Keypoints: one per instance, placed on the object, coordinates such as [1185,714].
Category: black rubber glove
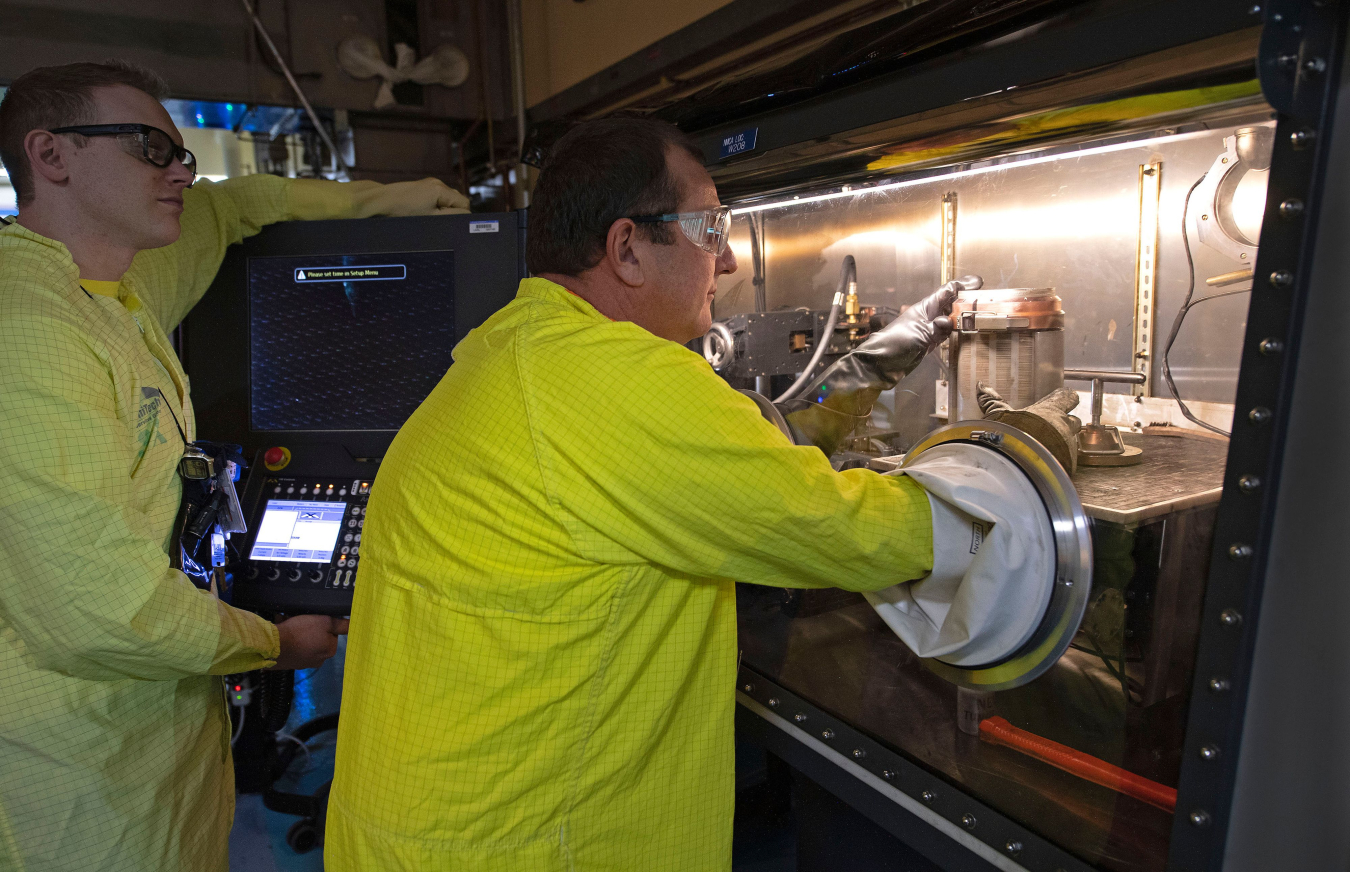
[835,402]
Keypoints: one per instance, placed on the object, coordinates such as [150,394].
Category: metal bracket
[948,262]
[1145,272]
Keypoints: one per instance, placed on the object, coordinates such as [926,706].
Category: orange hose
[999,732]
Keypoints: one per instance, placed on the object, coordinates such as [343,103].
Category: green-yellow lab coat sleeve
[215,216]
[85,581]
[652,457]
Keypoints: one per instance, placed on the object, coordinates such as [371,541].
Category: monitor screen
[348,341]
[298,531]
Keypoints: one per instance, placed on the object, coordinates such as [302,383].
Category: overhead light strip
[961,174]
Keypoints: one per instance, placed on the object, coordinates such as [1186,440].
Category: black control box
[778,343]
[305,514]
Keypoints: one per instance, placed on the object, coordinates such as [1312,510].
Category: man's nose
[179,174]
[726,262]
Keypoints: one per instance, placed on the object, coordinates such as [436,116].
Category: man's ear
[622,254]
[47,156]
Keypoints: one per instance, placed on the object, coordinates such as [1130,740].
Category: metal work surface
[1177,472]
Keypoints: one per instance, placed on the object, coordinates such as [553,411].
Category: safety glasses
[151,144]
[707,229]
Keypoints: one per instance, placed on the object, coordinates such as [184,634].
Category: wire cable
[1186,307]
[295,86]
[302,746]
[239,729]
[849,272]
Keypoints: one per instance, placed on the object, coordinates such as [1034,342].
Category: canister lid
[1008,309]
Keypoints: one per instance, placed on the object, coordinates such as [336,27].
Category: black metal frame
[1299,65]
[862,759]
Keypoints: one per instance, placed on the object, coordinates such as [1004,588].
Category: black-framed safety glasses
[151,144]
[707,229]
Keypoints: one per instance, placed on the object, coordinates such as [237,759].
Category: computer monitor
[333,332]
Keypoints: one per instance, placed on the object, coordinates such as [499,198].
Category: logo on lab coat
[147,421]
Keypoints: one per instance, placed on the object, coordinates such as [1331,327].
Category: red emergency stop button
[276,458]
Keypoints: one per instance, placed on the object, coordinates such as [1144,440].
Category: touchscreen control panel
[309,532]
[303,545]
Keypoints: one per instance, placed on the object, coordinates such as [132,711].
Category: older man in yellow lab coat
[543,645]
[114,737]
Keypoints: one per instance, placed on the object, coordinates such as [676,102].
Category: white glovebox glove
[993,560]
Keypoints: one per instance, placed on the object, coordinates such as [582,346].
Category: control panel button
[347,538]
[358,537]
[277,458]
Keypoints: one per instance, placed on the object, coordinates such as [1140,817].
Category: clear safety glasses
[151,144]
[707,229]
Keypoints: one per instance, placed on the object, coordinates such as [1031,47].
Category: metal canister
[1011,339]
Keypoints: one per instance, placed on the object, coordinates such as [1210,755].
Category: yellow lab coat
[540,672]
[114,735]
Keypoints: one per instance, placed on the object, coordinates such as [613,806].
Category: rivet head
[773,702]
[799,717]
[888,774]
[1249,484]
[1209,752]
[1230,618]
[1218,685]
[1301,139]
[928,796]
[1013,847]
[1281,278]
[1199,817]
[1259,415]
[968,821]
[1270,347]
[1239,551]
[827,733]
[859,753]
[748,688]
[1291,208]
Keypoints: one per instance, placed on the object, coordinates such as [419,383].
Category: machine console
[303,545]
